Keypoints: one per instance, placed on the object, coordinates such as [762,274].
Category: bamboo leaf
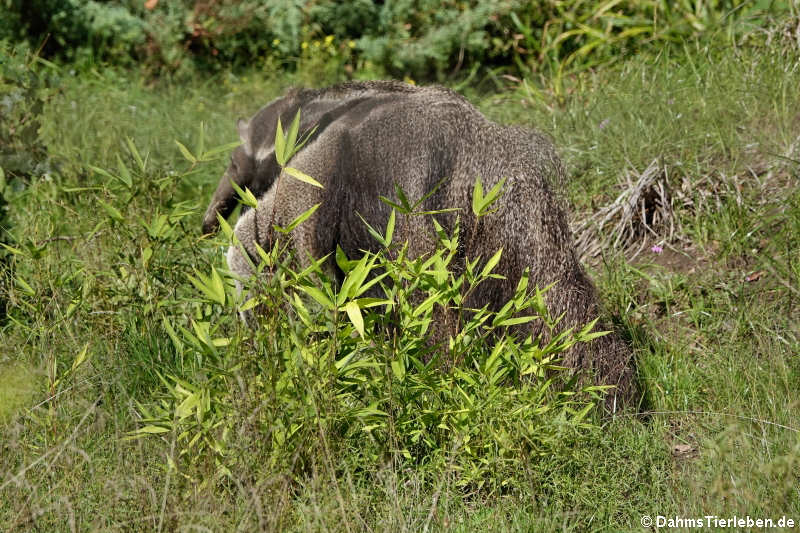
[187,406]
[366,286]
[223,224]
[151,430]
[372,231]
[302,176]
[392,204]
[517,321]
[23,285]
[427,304]
[80,358]
[390,228]
[580,415]
[354,312]
[477,197]
[364,303]
[136,155]
[493,194]
[249,304]
[341,260]
[398,369]
[112,211]
[403,199]
[430,193]
[305,139]
[317,295]
[212,287]
[124,173]
[291,138]
[299,220]
[492,263]
[186,153]
[210,155]
[280,144]
[218,286]
[245,196]
[104,172]
[15,251]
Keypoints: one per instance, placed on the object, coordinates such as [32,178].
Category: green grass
[17,388]
[717,355]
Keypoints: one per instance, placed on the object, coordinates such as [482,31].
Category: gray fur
[253,164]
[387,132]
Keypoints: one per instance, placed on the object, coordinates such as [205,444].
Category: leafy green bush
[357,363]
[417,38]
[26,84]
[558,38]
[75,28]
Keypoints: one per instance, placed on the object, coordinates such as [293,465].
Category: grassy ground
[713,318]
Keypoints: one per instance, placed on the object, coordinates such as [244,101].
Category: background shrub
[356,364]
[423,39]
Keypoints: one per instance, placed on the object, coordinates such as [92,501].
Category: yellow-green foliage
[422,39]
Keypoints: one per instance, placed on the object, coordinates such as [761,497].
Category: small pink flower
[656,249]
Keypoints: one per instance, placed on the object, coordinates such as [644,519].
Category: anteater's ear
[244,133]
